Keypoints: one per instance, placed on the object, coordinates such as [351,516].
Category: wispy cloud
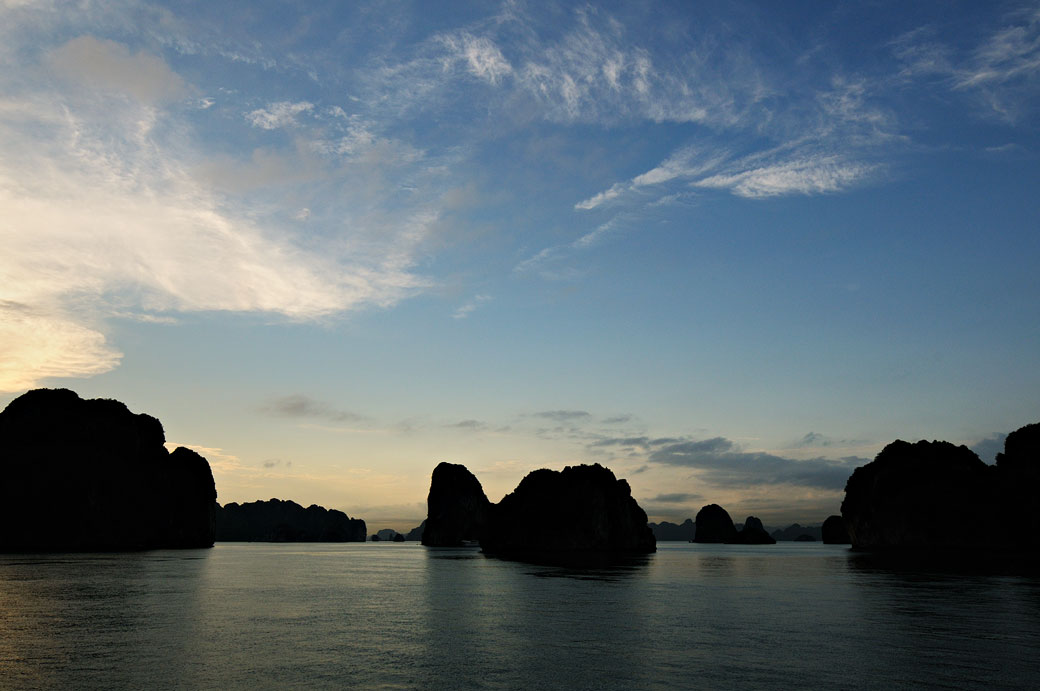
[303,406]
[466,309]
[568,416]
[275,115]
[1001,70]
[642,442]
[43,340]
[723,464]
[275,462]
[600,198]
[469,424]
[112,208]
[814,439]
[479,54]
[811,175]
[675,498]
[1011,53]
[588,68]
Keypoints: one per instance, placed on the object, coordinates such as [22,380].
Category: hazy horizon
[729,250]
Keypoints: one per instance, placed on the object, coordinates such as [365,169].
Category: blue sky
[729,250]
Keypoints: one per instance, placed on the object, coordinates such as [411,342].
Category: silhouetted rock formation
[907,496]
[753,533]
[457,507]
[714,525]
[416,532]
[667,532]
[793,532]
[580,510]
[389,535]
[286,521]
[86,475]
[1018,481]
[834,531]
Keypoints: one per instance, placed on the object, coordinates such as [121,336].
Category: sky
[729,250]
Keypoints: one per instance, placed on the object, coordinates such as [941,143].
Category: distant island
[387,535]
[277,520]
[687,532]
[89,475]
[581,511]
[910,495]
[674,532]
[713,525]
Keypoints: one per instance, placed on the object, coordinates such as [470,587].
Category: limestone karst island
[90,475]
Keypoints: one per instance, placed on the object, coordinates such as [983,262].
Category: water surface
[384,615]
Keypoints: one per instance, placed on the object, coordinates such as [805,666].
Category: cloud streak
[722,464]
[468,308]
[305,407]
[276,115]
[563,416]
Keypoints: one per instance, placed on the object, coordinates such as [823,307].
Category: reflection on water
[974,622]
[113,616]
[403,616]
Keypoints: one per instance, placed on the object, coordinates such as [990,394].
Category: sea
[403,616]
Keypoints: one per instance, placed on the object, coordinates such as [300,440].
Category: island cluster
[89,475]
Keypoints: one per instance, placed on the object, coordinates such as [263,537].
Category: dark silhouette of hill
[416,532]
[387,535]
[907,496]
[279,520]
[1018,481]
[457,507]
[793,532]
[714,525]
[89,475]
[582,508]
[834,531]
[753,533]
[671,532]
[582,513]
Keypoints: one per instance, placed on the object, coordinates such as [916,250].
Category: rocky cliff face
[581,509]
[1018,481]
[834,531]
[714,525]
[286,521]
[90,475]
[909,496]
[457,508]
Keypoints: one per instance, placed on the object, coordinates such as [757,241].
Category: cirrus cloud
[106,215]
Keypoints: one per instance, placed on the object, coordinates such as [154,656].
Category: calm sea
[385,615]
